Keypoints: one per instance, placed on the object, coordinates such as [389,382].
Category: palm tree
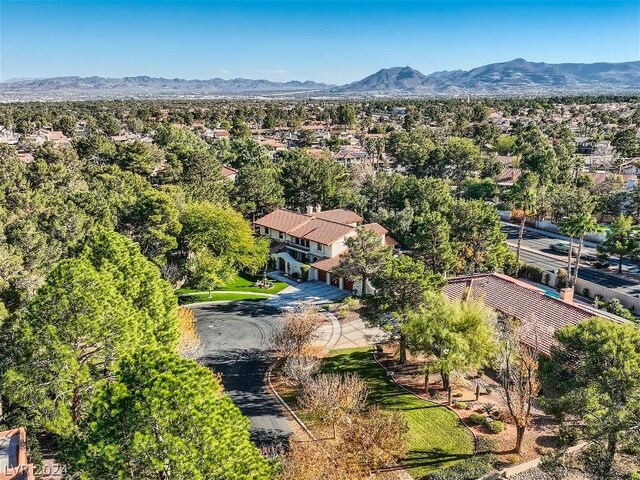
[584,224]
[568,227]
[525,202]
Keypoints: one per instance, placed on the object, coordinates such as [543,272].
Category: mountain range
[516,77]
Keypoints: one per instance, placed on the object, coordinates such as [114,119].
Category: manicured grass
[220,296]
[244,283]
[437,438]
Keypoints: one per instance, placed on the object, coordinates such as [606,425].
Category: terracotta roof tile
[283,220]
[376,227]
[339,215]
[327,265]
[541,314]
[322,231]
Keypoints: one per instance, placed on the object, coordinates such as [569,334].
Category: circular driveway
[235,343]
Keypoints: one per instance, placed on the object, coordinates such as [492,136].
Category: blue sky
[330,41]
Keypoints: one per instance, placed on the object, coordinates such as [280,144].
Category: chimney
[566,294]
[318,208]
[309,209]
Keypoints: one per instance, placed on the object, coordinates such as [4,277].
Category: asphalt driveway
[234,337]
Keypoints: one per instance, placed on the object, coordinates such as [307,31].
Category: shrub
[476,418]
[304,272]
[461,405]
[533,273]
[488,408]
[457,395]
[300,370]
[488,389]
[495,426]
[469,469]
[568,435]
[512,459]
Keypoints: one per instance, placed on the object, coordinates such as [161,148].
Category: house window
[266,231]
[281,235]
[320,247]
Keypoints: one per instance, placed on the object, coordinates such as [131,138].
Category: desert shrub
[469,469]
[495,426]
[300,370]
[488,408]
[461,405]
[476,418]
[568,435]
[457,395]
[331,397]
[188,340]
[349,304]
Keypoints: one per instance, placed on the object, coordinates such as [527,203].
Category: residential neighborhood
[318,240]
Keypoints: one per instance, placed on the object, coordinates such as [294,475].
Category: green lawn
[437,438]
[218,296]
[244,283]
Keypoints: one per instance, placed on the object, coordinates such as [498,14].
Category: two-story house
[309,245]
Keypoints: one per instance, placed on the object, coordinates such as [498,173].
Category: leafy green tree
[257,190]
[366,254]
[537,154]
[479,243]
[138,157]
[478,189]
[400,286]
[462,158]
[164,417]
[88,327]
[218,243]
[596,371]
[308,180]
[239,129]
[460,334]
[137,280]
[506,144]
[626,142]
[621,240]
[431,242]
[153,223]
[346,115]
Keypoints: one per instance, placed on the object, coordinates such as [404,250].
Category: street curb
[286,406]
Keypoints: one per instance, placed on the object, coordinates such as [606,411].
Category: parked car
[563,247]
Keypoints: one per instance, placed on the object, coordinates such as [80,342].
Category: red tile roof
[283,220]
[328,264]
[339,215]
[228,171]
[322,231]
[541,314]
[376,227]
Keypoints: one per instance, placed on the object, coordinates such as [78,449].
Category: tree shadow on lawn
[435,457]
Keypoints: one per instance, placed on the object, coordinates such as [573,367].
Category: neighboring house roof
[282,220]
[321,231]
[376,227]
[390,242]
[340,215]
[228,171]
[509,175]
[541,314]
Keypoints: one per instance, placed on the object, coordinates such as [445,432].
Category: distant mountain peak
[514,77]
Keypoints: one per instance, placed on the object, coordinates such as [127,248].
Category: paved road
[551,260]
[235,337]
